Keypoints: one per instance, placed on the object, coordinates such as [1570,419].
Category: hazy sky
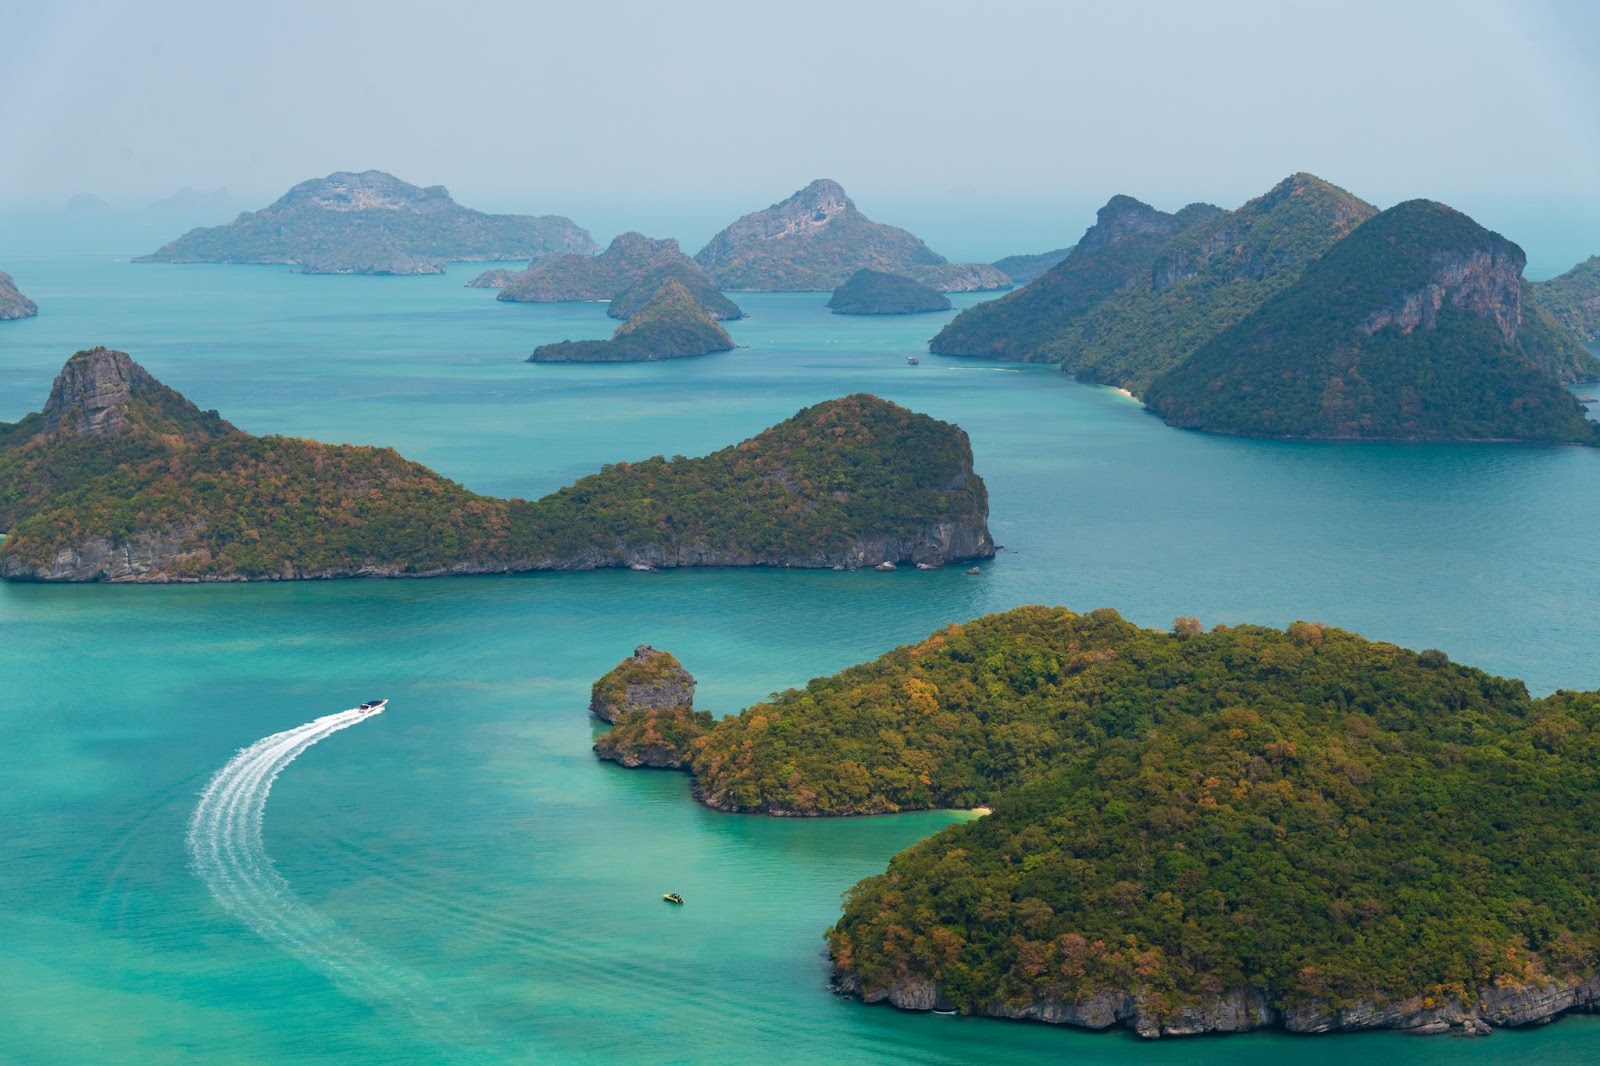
[986,128]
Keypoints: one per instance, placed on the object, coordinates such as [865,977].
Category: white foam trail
[225,846]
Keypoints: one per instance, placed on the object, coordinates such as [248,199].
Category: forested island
[1573,299]
[873,292]
[372,223]
[814,241]
[1224,321]
[13,304]
[120,478]
[628,273]
[671,325]
[1191,831]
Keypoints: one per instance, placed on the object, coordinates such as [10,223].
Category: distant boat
[913,360]
[373,706]
[673,898]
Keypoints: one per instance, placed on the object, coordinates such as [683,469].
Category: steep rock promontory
[1207,278]
[372,223]
[1191,831]
[13,304]
[122,479]
[648,680]
[815,239]
[873,292]
[1022,269]
[1028,325]
[1573,299]
[1408,329]
[673,324]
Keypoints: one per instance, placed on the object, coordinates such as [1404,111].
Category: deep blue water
[460,879]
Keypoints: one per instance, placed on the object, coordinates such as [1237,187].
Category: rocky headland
[873,292]
[1190,831]
[372,223]
[814,241]
[13,304]
[122,479]
[671,325]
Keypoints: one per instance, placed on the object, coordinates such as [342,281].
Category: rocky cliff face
[1485,284]
[1245,1009]
[815,239]
[104,392]
[649,680]
[13,304]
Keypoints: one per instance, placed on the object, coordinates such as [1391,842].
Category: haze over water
[479,887]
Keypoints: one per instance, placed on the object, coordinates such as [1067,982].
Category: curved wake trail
[225,846]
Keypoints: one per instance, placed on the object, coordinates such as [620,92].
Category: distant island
[1022,269]
[1191,831]
[672,324]
[1573,299]
[13,304]
[372,223]
[87,203]
[1159,305]
[873,292]
[814,241]
[1411,328]
[629,273]
[190,199]
[120,478]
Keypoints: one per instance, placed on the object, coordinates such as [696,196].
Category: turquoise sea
[458,879]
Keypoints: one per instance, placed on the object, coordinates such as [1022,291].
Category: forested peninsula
[1192,831]
[120,478]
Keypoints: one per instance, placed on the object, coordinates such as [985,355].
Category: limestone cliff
[13,304]
[648,680]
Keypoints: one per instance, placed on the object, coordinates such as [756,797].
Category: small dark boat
[674,899]
[913,360]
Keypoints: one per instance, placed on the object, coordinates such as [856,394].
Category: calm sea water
[458,879]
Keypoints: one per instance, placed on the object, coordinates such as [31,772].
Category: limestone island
[814,241]
[650,682]
[121,479]
[13,304]
[628,273]
[1191,831]
[1573,299]
[673,324]
[372,223]
[873,292]
[1303,313]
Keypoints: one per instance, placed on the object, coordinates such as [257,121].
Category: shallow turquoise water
[501,885]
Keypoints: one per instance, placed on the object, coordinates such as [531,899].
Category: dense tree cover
[1573,299]
[875,292]
[372,223]
[1206,279]
[1550,345]
[647,679]
[629,301]
[226,504]
[1030,324]
[1304,812]
[671,325]
[659,738]
[1331,357]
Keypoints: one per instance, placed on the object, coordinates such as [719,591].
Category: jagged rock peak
[1123,217]
[93,391]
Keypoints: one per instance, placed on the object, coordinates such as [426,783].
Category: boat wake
[225,847]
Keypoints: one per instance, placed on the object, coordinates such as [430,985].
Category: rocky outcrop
[873,292]
[373,223]
[672,325]
[1484,283]
[13,304]
[649,680]
[815,239]
[102,392]
[1246,1009]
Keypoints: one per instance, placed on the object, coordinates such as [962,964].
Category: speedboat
[912,360]
[673,898]
[373,706]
